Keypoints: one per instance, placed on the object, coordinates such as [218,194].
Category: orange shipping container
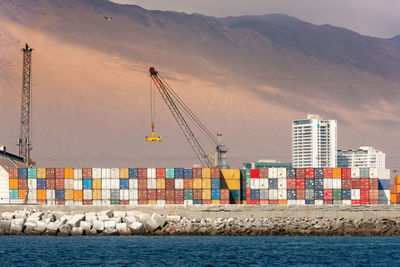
[41,173]
[397,181]
[41,194]
[13,183]
[69,173]
[197,183]
[393,198]
[336,173]
[124,173]
[188,184]
[398,188]
[151,202]
[77,195]
[96,184]
[21,193]
[160,183]
[282,202]
[206,183]
[69,194]
[96,194]
[393,189]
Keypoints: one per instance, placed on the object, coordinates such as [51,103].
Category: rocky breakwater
[37,222]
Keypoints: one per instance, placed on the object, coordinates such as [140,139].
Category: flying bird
[108,18]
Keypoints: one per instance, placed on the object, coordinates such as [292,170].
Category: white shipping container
[272,173]
[133,184]
[373,173]
[254,183]
[292,202]
[124,194]
[336,183]
[87,194]
[50,194]
[152,183]
[106,173]
[300,202]
[186,202]
[96,172]
[328,183]
[106,184]
[32,184]
[78,174]
[114,183]
[282,194]
[355,172]
[97,203]
[115,173]
[32,195]
[68,184]
[133,194]
[69,202]
[78,203]
[282,183]
[160,202]
[16,201]
[179,183]
[346,202]
[151,173]
[263,183]
[133,202]
[355,194]
[105,194]
[77,184]
[282,173]
[318,202]
[273,194]
[51,202]
[105,202]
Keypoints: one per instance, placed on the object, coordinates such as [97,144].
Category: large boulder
[137,228]
[16,226]
[109,224]
[120,214]
[86,226]
[107,213]
[40,227]
[76,220]
[173,218]
[154,222]
[5,226]
[7,216]
[77,231]
[30,228]
[98,225]
[65,229]
[90,216]
[35,217]
[123,229]
[140,216]
[52,228]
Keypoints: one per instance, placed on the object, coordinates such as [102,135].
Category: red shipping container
[373,184]
[13,173]
[374,201]
[142,201]
[364,183]
[87,173]
[254,173]
[160,194]
[328,173]
[188,183]
[309,172]
[160,173]
[300,194]
[291,183]
[327,194]
[142,173]
[346,183]
[181,201]
[393,189]
[355,183]
[151,194]
[50,183]
[273,202]
[355,202]
[364,202]
[301,173]
[198,194]
[179,195]
[263,173]
[60,173]
[364,194]
[50,173]
[87,202]
[264,201]
[373,194]
[124,202]
[346,173]
[197,173]
[328,201]
[300,183]
[170,184]
[142,195]
[170,194]
[224,194]
[60,202]
[142,184]
[224,201]
[22,184]
[215,173]
[59,183]
[41,201]
[206,201]
[254,202]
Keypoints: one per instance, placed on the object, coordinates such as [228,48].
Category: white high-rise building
[365,156]
[314,142]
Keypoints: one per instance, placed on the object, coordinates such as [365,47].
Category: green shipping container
[114,202]
[14,194]
[234,194]
[337,194]
[170,173]
[32,173]
[188,194]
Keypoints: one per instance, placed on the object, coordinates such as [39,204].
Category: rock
[120,214]
[20,214]
[140,216]
[107,213]
[116,219]
[173,218]
[109,224]
[92,232]
[52,228]
[86,226]
[129,220]
[137,228]
[154,222]
[49,218]
[64,219]
[58,215]
[110,231]
[29,228]
[16,226]
[77,231]
[34,217]
[90,216]
[123,229]
[40,227]
[98,225]
[76,220]
[103,217]
[65,230]
[7,216]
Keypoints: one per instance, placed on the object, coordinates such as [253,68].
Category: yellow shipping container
[124,173]
[151,202]
[96,194]
[41,173]
[336,173]
[230,184]
[13,183]
[78,195]
[215,201]
[21,193]
[231,174]
[96,184]
[68,173]
[41,194]
[69,194]
[197,184]
[206,183]
[206,194]
[160,183]
[206,173]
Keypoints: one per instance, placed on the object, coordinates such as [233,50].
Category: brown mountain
[247,77]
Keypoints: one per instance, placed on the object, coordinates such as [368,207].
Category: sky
[379,18]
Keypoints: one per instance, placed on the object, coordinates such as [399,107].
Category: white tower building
[365,156]
[314,142]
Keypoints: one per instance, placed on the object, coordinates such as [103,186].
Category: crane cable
[152,103]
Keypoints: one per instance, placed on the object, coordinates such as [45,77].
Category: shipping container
[60,194]
[328,194]
[318,183]
[114,173]
[40,173]
[309,173]
[254,183]
[197,173]
[206,194]
[291,173]
[300,183]
[151,183]
[328,173]
[291,194]
[364,172]
[50,183]
[234,195]
[319,194]
[383,184]
[160,173]
[133,173]
[124,173]
[23,184]
[96,194]
[336,173]
[215,183]
[374,184]
[346,173]
[114,194]
[309,183]
[215,173]
[300,173]
[134,184]
[78,174]
[346,183]
[346,194]
[160,183]
[355,172]
[188,173]
[32,173]
[301,194]
[188,183]
[230,174]
[142,184]
[86,173]
[318,173]
[32,184]
[206,173]
[69,194]
[337,194]
[86,183]
[263,173]
[263,183]
[291,183]
[273,173]
[273,183]
[310,194]
[254,173]
[178,173]
[215,194]
[22,173]
[179,184]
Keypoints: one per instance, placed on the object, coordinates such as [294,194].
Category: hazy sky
[379,18]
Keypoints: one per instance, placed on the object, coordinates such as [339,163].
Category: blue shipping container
[290,173]
[346,194]
[87,184]
[215,183]
[23,173]
[197,201]
[319,183]
[133,173]
[41,184]
[123,183]
[188,173]
[178,173]
[273,183]
[384,184]
[243,195]
[319,194]
[60,195]
[215,194]
[114,194]
[310,202]
[309,183]
[255,194]
[291,194]
[318,173]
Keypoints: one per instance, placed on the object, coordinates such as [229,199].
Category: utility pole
[24,141]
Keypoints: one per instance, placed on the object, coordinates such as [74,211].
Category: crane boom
[168,95]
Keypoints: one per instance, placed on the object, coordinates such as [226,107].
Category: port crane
[179,110]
